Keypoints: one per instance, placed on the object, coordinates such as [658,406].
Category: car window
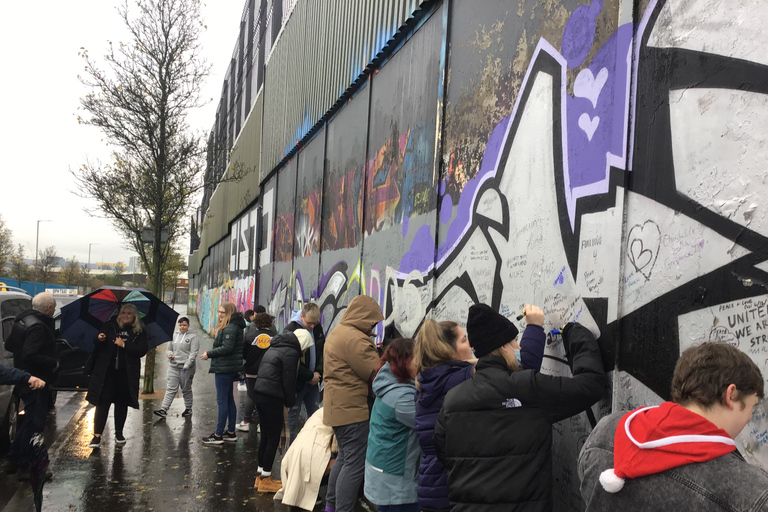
[12,307]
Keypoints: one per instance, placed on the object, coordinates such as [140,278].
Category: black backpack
[15,341]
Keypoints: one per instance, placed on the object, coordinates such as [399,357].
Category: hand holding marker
[553,332]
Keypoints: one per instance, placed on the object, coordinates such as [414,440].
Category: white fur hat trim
[610,482]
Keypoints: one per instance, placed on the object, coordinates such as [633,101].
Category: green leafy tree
[72,273]
[19,270]
[6,244]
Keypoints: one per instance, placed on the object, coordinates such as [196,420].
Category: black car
[71,363]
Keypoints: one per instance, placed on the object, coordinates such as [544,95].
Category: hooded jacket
[494,432]
[693,476]
[392,457]
[351,359]
[184,348]
[434,384]
[227,352]
[306,370]
[255,344]
[277,371]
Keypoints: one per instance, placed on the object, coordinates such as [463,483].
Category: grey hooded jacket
[725,483]
[184,348]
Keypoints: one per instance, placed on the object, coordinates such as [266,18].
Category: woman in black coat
[119,348]
[276,389]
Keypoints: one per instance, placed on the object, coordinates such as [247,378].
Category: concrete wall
[603,160]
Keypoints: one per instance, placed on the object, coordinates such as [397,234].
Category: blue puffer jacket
[434,384]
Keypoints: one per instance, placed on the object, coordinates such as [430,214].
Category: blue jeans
[225,398]
[405,507]
[309,396]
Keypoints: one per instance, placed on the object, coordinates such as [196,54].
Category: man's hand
[204,357]
[36,383]
[102,336]
[315,379]
[533,315]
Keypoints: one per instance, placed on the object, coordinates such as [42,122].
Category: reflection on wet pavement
[163,466]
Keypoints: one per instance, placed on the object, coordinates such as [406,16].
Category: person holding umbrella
[116,360]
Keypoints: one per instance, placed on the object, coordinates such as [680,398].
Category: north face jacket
[494,432]
[351,359]
[306,373]
[726,483]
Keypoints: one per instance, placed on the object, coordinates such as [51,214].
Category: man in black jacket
[310,367]
[37,356]
[494,432]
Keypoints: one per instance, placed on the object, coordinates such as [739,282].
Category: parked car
[71,363]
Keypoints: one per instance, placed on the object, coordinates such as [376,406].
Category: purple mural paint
[579,33]
[406,222]
[446,209]
[597,113]
[466,202]
[422,253]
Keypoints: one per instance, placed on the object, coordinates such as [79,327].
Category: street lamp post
[88,268]
[37,240]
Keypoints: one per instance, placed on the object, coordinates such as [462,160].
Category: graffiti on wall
[590,195]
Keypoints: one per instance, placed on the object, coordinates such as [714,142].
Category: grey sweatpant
[348,470]
[176,380]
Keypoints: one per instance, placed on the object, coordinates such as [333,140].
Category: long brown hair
[229,310]
[435,344]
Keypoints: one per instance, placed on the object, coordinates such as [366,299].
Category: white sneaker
[243,426]
[258,428]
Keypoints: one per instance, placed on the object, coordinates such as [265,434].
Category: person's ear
[731,396]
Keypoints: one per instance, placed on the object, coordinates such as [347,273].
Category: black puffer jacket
[305,374]
[277,371]
[494,431]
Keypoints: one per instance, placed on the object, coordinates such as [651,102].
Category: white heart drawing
[589,87]
[588,125]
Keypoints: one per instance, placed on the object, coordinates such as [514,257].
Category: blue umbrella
[84,318]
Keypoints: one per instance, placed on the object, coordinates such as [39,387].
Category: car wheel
[10,425]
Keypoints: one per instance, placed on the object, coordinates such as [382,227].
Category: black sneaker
[95,442]
[187,413]
[213,439]
[161,413]
[119,439]
[230,436]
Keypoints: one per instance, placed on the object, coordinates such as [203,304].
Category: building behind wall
[600,159]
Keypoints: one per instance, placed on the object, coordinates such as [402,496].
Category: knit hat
[650,440]
[259,309]
[487,330]
[305,339]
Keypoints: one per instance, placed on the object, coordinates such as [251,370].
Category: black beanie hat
[487,330]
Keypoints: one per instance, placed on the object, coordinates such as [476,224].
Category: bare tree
[140,102]
[19,270]
[6,244]
[46,260]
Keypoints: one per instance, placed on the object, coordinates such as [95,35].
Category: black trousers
[100,417]
[270,411]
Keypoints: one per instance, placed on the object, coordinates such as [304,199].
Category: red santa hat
[653,439]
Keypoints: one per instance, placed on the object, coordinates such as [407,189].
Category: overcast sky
[40,139]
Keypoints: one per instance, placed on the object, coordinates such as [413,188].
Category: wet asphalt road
[163,466]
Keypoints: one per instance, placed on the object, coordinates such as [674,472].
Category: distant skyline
[41,139]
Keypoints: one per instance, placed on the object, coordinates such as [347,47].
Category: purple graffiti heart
[589,125]
[643,242]
[590,86]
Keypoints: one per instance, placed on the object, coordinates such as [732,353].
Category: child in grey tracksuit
[182,352]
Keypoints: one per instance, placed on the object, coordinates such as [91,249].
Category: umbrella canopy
[84,318]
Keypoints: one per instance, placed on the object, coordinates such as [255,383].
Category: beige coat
[350,360]
[305,462]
